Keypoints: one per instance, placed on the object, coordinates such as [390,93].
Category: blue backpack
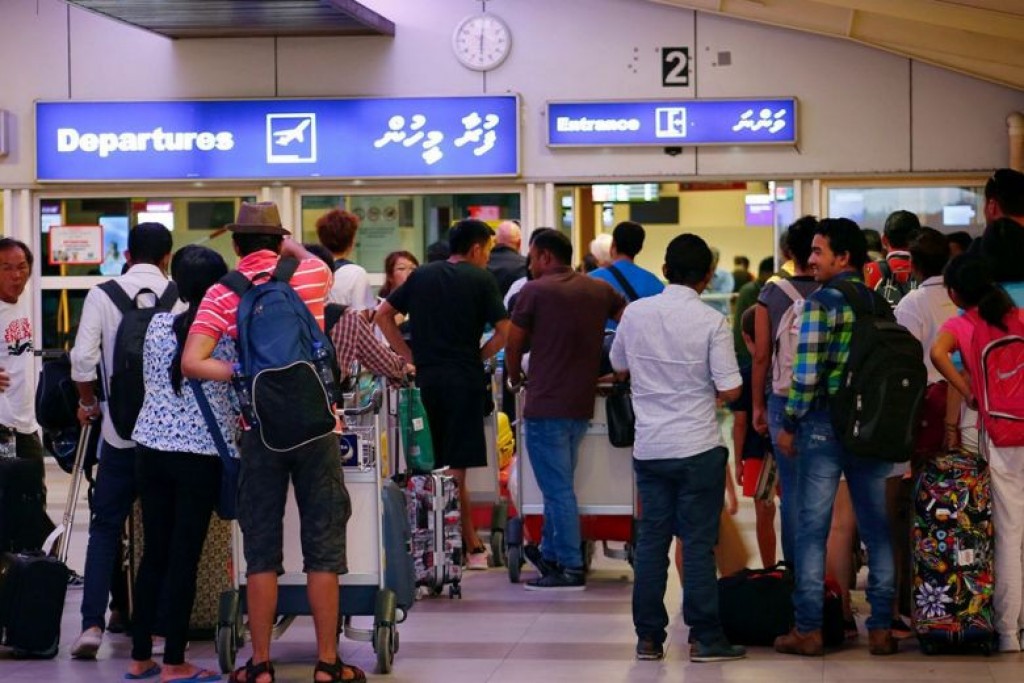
[277,335]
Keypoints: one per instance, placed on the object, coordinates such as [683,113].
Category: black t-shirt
[448,305]
[754,445]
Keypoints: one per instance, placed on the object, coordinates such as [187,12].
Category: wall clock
[482,41]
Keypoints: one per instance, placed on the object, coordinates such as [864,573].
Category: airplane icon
[291,138]
[296,134]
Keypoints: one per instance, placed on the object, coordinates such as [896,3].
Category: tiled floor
[499,633]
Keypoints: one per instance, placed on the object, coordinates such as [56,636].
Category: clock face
[481,41]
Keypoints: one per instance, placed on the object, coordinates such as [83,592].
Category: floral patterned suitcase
[432,503]
[953,553]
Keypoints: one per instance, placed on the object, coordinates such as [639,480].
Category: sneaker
[881,642]
[565,580]
[900,629]
[88,643]
[648,650]
[75,580]
[479,559]
[536,558]
[796,643]
[720,651]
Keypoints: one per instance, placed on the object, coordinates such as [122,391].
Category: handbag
[227,503]
[618,408]
[767,478]
[415,430]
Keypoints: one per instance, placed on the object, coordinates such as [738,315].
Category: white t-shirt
[17,407]
[351,288]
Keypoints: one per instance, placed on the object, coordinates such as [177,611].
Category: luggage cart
[605,494]
[366,590]
[484,482]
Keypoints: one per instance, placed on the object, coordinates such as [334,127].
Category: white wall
[861,110]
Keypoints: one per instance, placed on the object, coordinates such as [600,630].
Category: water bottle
[325,370]
[241,385]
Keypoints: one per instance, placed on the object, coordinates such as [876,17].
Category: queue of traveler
[780,368]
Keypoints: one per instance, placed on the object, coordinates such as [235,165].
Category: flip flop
[201,676]
[151,672]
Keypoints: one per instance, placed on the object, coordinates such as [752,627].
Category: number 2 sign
[675,67]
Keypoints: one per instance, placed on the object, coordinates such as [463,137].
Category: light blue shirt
[643,281]
[679,354]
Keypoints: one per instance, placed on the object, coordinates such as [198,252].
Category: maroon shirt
[564,312]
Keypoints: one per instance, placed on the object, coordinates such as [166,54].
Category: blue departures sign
[666,123]
[280,138]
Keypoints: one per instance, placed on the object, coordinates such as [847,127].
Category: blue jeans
[822,459]
[112,502]
[679,497]
[787,479]
[553,445]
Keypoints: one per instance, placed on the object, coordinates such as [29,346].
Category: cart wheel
[227,648]
[455,591]
[514,532]
[928,647]
[514,562]
[498,554]
[384,645]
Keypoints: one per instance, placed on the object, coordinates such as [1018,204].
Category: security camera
[673,151]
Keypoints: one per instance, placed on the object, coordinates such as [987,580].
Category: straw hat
[260,218]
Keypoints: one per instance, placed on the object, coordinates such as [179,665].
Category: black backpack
[875,410]
[894,285]
[56,395]
[126,389]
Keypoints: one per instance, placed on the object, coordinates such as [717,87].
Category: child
[988,308]
[749,449]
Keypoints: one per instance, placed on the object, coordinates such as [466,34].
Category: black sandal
[250,673]
[337,672]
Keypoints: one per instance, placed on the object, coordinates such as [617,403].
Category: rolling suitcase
[33,586]
[432,506]
[953,554]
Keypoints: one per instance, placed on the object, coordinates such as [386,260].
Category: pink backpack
[997,377]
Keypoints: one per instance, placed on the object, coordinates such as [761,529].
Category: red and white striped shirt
[218,312]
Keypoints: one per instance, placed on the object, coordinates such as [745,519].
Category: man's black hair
[687,260]
[149,243]
[961,238]
[438,251]
[739,261]
[1006,187]
[845,237]
[929,252]
[537,233]
[249,243]
[555,243]
[766,267]
[1002,245]
[874,239]
[11,243]
[466,233]
[628,238]
[900,228]
[799,237]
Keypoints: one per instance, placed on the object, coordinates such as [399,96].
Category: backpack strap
[341,263]
[285,269]
[118,296]
[884,269]
[211,420]
[789,290]
[169,297]
[624,283]
[236,282]
[857,302]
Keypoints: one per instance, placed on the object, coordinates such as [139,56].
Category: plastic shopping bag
[415,430]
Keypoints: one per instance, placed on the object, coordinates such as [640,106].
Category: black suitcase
[399,574]
[23,520]
[32,591]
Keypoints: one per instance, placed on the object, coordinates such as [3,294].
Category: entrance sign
[76,245]
[278,139]
[668,123]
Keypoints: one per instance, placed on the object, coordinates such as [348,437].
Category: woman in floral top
[179,472]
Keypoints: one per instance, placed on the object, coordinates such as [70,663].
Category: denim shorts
[324,505]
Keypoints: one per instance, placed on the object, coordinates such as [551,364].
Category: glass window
[405,221]
[947,209]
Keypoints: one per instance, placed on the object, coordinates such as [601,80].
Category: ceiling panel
[981,38]
[244,18]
